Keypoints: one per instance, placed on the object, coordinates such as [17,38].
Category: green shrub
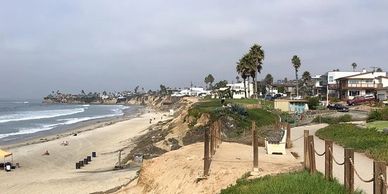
[367,140]
[313,103]
[333,120]
[378,115]
[287,183]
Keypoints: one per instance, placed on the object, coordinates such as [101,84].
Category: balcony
[359,85]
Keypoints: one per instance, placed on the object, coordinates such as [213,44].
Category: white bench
[276,144]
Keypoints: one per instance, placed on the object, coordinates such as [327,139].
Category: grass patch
[378,125]
[295,182]
[367,140]
[236,116]
[333,120]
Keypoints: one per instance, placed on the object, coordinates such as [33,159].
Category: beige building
[295,106]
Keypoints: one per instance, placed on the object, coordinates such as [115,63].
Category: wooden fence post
[288,140]
[311,153]
[212,151]
[306,152]
[328,160]
[349,170]
[206,154]
[379,169]
[255,148]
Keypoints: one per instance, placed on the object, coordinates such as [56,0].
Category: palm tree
[354,66]
[256,57]
[296,63]
[242,68]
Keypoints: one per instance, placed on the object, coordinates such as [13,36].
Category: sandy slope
[177,171]
[56,173]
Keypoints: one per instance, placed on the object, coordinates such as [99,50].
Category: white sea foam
[24,131]
[34,115]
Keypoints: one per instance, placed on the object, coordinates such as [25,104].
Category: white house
[361,84]
[192,92]
[238,89]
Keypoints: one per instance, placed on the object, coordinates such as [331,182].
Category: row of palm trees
[249,65]
[252,62]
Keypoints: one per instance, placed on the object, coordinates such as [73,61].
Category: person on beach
[46,153]
[150,121]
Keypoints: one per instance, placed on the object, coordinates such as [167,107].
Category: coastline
[38,173]
[72,129]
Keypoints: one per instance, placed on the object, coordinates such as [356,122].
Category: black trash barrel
[77,166]
[81,163]
[94,154]
[89,158]
[85,161]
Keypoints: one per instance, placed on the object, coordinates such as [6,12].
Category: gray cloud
[114,45]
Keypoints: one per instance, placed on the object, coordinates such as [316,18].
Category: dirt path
[177,171]
[363,164]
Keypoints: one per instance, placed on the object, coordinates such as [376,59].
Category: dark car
[338,107]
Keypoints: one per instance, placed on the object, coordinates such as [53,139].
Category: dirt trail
[177,171]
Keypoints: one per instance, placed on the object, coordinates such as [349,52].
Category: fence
[379,168]
[212,142]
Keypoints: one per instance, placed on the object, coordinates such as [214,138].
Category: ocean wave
[70,121]
[24,131]
[34,115]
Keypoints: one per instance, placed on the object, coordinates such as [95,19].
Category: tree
[379,70]
[221,84]
[268,80]
[136,89]
[256,57]
[296,63]
[163,89]
[354,66]
[242,68]
[306,77]
[209,79]
[306,81]
[237,79]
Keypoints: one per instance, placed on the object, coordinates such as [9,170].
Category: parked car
[338,107]
[268,97]
[360,99]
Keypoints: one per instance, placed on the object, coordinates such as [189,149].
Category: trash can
[89,158]
[81,163]
[85,161]
[94,154]
[77,165]
[8,167]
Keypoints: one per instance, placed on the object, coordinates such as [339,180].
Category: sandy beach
[56,173]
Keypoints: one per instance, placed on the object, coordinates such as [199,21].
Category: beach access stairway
[276,142]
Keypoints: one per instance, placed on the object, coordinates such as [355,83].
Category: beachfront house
[194,91]
[238,91]
[361,84]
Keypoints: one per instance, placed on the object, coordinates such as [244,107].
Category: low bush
[378,115]
[333,120]
[295,182]
[367,140]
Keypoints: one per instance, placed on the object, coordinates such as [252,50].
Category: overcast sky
[97,45]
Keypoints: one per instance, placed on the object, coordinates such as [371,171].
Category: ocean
[20,120]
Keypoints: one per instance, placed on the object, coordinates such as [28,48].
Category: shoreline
[56,172]
[72,129]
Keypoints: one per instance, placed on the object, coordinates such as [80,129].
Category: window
[331,79]
[354,93]
[353,82]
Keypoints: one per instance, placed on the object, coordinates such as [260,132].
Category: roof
[350,76]
[4,154]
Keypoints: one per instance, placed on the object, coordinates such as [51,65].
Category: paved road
[363,164]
